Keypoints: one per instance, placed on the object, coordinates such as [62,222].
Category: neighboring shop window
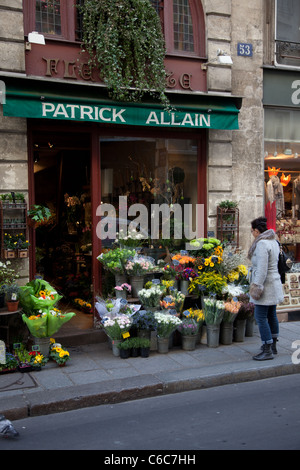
[282,170]
[288,32]
[48,19]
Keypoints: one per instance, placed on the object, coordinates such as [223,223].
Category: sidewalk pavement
[93,376]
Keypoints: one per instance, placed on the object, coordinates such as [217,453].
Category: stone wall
[13,131]
[235,158]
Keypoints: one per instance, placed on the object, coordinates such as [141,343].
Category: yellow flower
[52,340]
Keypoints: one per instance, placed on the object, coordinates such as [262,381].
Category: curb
[120,390]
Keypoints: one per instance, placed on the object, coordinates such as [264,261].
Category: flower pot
[24,368]
[121,294]
[213,334]
[9,254]
[249,326]
[226,333]
[239,330]
[145,352]
[188,342]
[184,285]
[137,284]
[135,352]
[124,353]
[22,253]
[162,345]
[115,349]
[12,306]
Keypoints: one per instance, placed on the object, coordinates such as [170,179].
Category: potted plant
[23,358]
[37,360]
[144,346]
[125,347]
[38,213]
[12,293]
[59,355]
[10,365]
[9,246]
[22,245]
[166,324]
[7,276]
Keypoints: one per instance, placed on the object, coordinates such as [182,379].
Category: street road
[255,415]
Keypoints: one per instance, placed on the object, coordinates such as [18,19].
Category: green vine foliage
[125,42]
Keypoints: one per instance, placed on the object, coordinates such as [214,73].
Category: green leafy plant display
[125,42]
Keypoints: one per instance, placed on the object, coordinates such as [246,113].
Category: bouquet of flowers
[114,260]
[231,309]
[233,290]
[143,320]
[138,266]
[188,327]
[38,294]
[124,286]
[46,322]
[195,314]
[150,297]
[169,271]
[117,327]
[183,259]
[213,311]
[247,308]
[166,324]
[188,274]
[209,283]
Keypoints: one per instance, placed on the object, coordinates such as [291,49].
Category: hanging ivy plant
[125,42]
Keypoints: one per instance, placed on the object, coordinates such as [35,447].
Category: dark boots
[265,354]
[274,350]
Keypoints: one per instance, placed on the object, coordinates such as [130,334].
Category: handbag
[283,267]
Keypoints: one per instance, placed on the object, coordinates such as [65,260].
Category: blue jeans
[267,321]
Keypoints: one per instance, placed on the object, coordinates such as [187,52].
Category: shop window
[150,172]
[288,32]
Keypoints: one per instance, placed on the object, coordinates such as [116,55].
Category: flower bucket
[120,279]
[137,284]
[239,330]
[115,349]
[162,345]
[226,333]
[184,287]
[213,334]
[188,342]
[249,327]
[43,344]
[121,294]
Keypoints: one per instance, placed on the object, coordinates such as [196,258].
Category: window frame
[68,20]
[277,43]
[198,30]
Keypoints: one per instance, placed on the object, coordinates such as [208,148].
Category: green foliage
[39,213]
[125,42]
[228,204]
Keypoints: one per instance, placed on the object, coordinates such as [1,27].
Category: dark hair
[260,224]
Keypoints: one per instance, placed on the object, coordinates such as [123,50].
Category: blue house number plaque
[245,49]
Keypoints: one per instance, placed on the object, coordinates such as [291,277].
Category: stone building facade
[234,157]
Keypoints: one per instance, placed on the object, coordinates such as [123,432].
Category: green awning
[44,100]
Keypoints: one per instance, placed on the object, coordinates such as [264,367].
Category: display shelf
[228,225]
[13,216]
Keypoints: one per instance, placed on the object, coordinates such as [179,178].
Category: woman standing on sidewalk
[265,287]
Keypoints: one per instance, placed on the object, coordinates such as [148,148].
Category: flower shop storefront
[103,156]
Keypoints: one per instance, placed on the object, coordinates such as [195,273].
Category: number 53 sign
[245,49]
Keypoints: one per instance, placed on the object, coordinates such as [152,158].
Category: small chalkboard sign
[2,353]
